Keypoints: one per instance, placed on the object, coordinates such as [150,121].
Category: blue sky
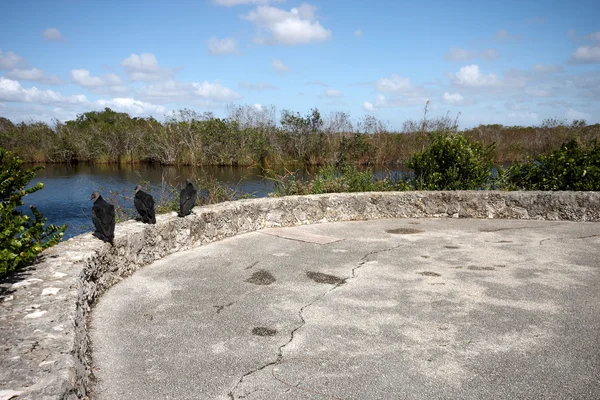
[506,62]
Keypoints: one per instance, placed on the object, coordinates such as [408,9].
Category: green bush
[452,162]
[572,167]
[21,237]
[330,179]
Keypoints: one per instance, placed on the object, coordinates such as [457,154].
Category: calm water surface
[67,188]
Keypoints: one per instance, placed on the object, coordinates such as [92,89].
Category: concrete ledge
[45,349]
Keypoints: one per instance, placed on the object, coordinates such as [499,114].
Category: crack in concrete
[279,358]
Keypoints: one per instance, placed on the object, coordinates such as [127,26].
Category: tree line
[250,135]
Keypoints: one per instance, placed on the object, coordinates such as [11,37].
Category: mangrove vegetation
[258,136]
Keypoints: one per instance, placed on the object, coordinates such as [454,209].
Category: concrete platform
[387,309]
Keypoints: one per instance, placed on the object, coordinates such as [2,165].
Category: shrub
[330,179]
[22,237]
[452,162]
[572,167]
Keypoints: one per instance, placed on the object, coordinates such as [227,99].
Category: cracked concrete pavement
[401,308]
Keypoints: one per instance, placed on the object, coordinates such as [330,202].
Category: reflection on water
[67,188]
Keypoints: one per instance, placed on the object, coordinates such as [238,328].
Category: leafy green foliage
[572,167]
[330,179]
[452,162]
[22,238]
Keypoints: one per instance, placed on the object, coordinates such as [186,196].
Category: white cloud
[52,34]
[488,54]
[214,91]
[10,60]
[594,36]
[333,93]
[511,105]
[109,83]
[279,66]
[11,90]
[453,98]
[33,74]
[145,68]
[359,33]
[256,86]
[297,26]
[368,106]
[316,83]
[471,76]
[586,55]
[222,46]
[40,100]
[523,117]
[547,68]
[230,3]
[395,84]
[131,106]
[574,114]
[459,54]
[404,94]
[176,92]
[503,34]
[538,92]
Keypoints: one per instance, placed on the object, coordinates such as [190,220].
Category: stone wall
[44,311]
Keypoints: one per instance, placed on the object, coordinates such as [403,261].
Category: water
[67,188]
[65,198]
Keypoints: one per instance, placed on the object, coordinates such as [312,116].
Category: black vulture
[103,215]
[144,204]
[187,199]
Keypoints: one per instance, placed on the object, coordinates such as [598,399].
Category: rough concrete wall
[44,311]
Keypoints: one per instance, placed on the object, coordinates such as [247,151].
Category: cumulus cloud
[453,98]
[145,68]
[368,106]
[586,55]
[214,91]
[10,60]
[131,106]
[52,35]
[109,83]
[573,114]
[297,26]
[33,74]
[39,100]
[174,92]
[394,84]
[459,54]
[403,93]
[333,93]
[230,3]
[279,66]
[256,86]
[222,46]
[470,76]
[11,90]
